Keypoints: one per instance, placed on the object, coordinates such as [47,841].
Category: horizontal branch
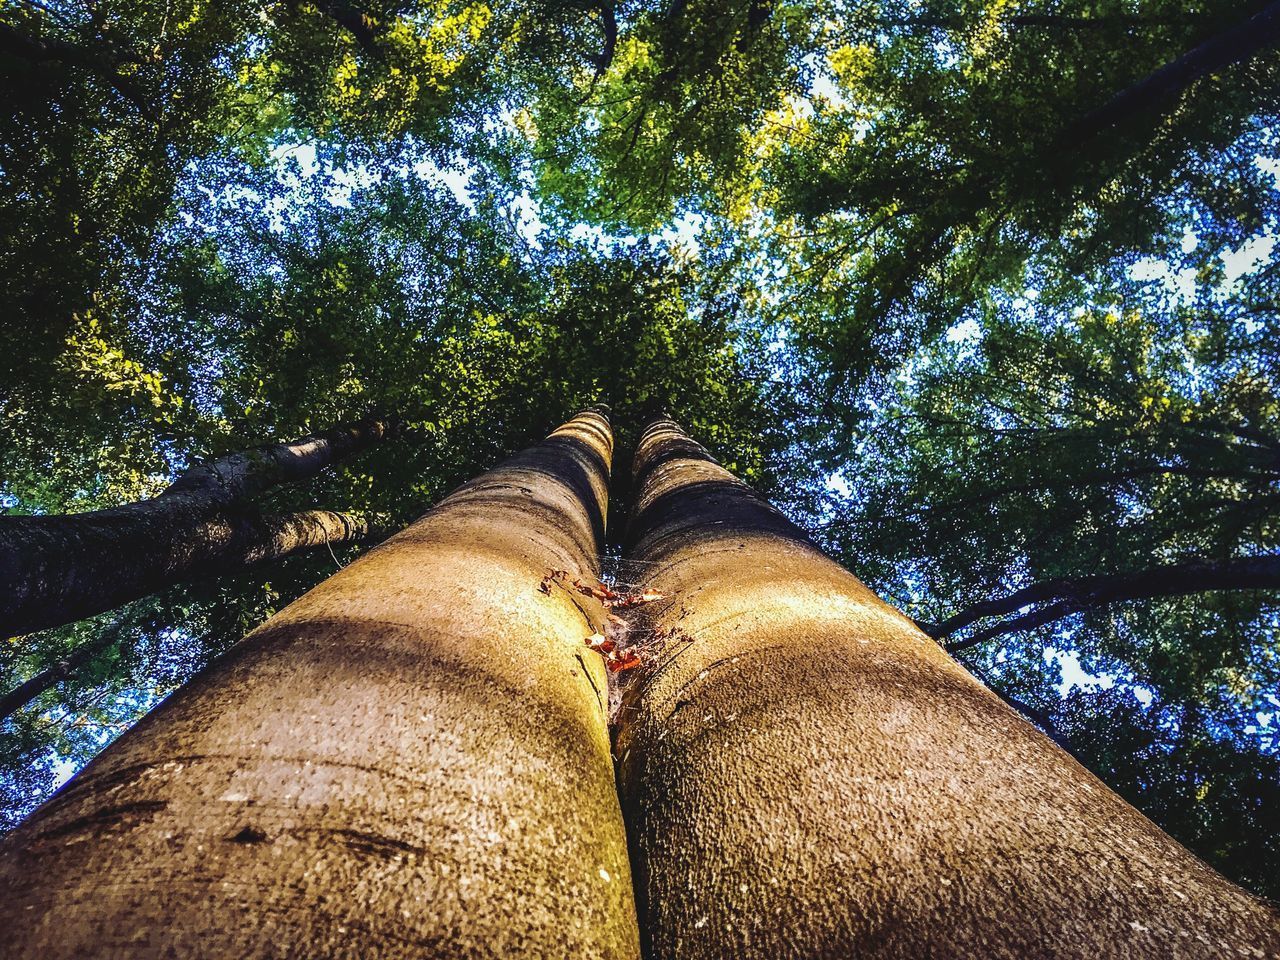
[1064,596]
[1046,21]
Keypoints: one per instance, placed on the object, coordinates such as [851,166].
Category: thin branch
[1045,21]
[609,20]
[16,43]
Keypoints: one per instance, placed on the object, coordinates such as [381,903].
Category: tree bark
[278,537]
[1067,595]
[411,760]
[807,774]
[57,569]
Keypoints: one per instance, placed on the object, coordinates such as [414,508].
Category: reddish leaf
[625,602]
[624,661]
[598,591]
[600,643]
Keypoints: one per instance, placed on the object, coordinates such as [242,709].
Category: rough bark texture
[410,760]
[812,776]
[57,569]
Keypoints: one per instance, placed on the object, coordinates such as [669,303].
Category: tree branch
[1064,596]
[349,17]
[24,693]
[56,569]
[279,537]
[1239,43]
[243,474]
[48,50]
[1046,21]
[609,19]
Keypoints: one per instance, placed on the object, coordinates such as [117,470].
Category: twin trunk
[812,776]
[413,760]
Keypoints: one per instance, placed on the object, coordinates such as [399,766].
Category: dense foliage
[984,293]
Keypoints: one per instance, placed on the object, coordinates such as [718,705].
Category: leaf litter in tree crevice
[619,655]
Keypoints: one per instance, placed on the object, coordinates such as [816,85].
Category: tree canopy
[983,294]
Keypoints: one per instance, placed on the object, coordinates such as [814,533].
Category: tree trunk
[57,569]
[410,760]
[806,774]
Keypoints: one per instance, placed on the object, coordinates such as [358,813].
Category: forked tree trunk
[410,760]
[806,774]
[57,569]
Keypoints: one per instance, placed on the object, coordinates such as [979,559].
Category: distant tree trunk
[806,774]
[57,569]
[412,760]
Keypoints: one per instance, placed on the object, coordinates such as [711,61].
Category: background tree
[886,260]
[287,301]
[889,164]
